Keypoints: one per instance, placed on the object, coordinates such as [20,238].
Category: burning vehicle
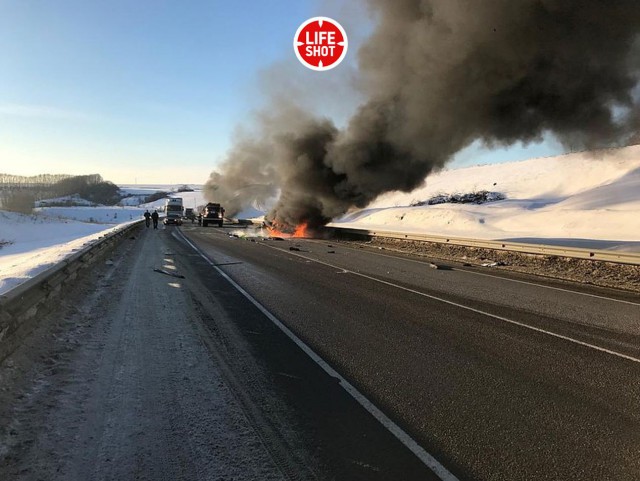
[276,229]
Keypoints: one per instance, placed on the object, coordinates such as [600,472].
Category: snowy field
[31,244]
[583,199]
[589,199]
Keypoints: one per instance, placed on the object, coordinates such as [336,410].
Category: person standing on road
[147,217]
[155,216]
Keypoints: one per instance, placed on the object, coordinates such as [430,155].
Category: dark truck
[212,213]
[189,214]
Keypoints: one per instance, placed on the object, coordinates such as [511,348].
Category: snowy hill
[580,196]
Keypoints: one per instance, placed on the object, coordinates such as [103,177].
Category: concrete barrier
[22,306]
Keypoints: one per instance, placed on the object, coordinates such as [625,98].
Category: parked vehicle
[211,213]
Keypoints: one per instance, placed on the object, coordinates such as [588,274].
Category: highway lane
[312,428]
[584,314]
[154,367]
[440,352]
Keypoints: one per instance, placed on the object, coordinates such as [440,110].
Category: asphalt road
[498,376]
[154,367]
[168,362]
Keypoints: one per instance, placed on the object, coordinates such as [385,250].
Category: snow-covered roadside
[31,244]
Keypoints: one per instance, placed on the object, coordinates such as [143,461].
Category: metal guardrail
[20,305]
[543,249]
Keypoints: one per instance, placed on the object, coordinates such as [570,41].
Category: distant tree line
[156,196]
[90,187]
[10,181]
[19,193]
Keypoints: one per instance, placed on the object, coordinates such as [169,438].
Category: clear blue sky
[136,90]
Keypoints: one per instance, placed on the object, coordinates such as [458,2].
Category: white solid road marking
[507,278]
[570,291]
[462,306]
[431,462]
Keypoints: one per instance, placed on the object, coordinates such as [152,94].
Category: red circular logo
[320,43]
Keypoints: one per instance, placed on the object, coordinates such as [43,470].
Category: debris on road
[584,271]
[493,264]
[172,274]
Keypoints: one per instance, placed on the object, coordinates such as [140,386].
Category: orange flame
[299,231]
[273,232]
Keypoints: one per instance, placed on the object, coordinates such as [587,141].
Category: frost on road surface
[118,384]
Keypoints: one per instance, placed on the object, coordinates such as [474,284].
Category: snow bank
[587,195]
[31,244]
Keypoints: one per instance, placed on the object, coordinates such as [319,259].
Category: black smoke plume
[437,75]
